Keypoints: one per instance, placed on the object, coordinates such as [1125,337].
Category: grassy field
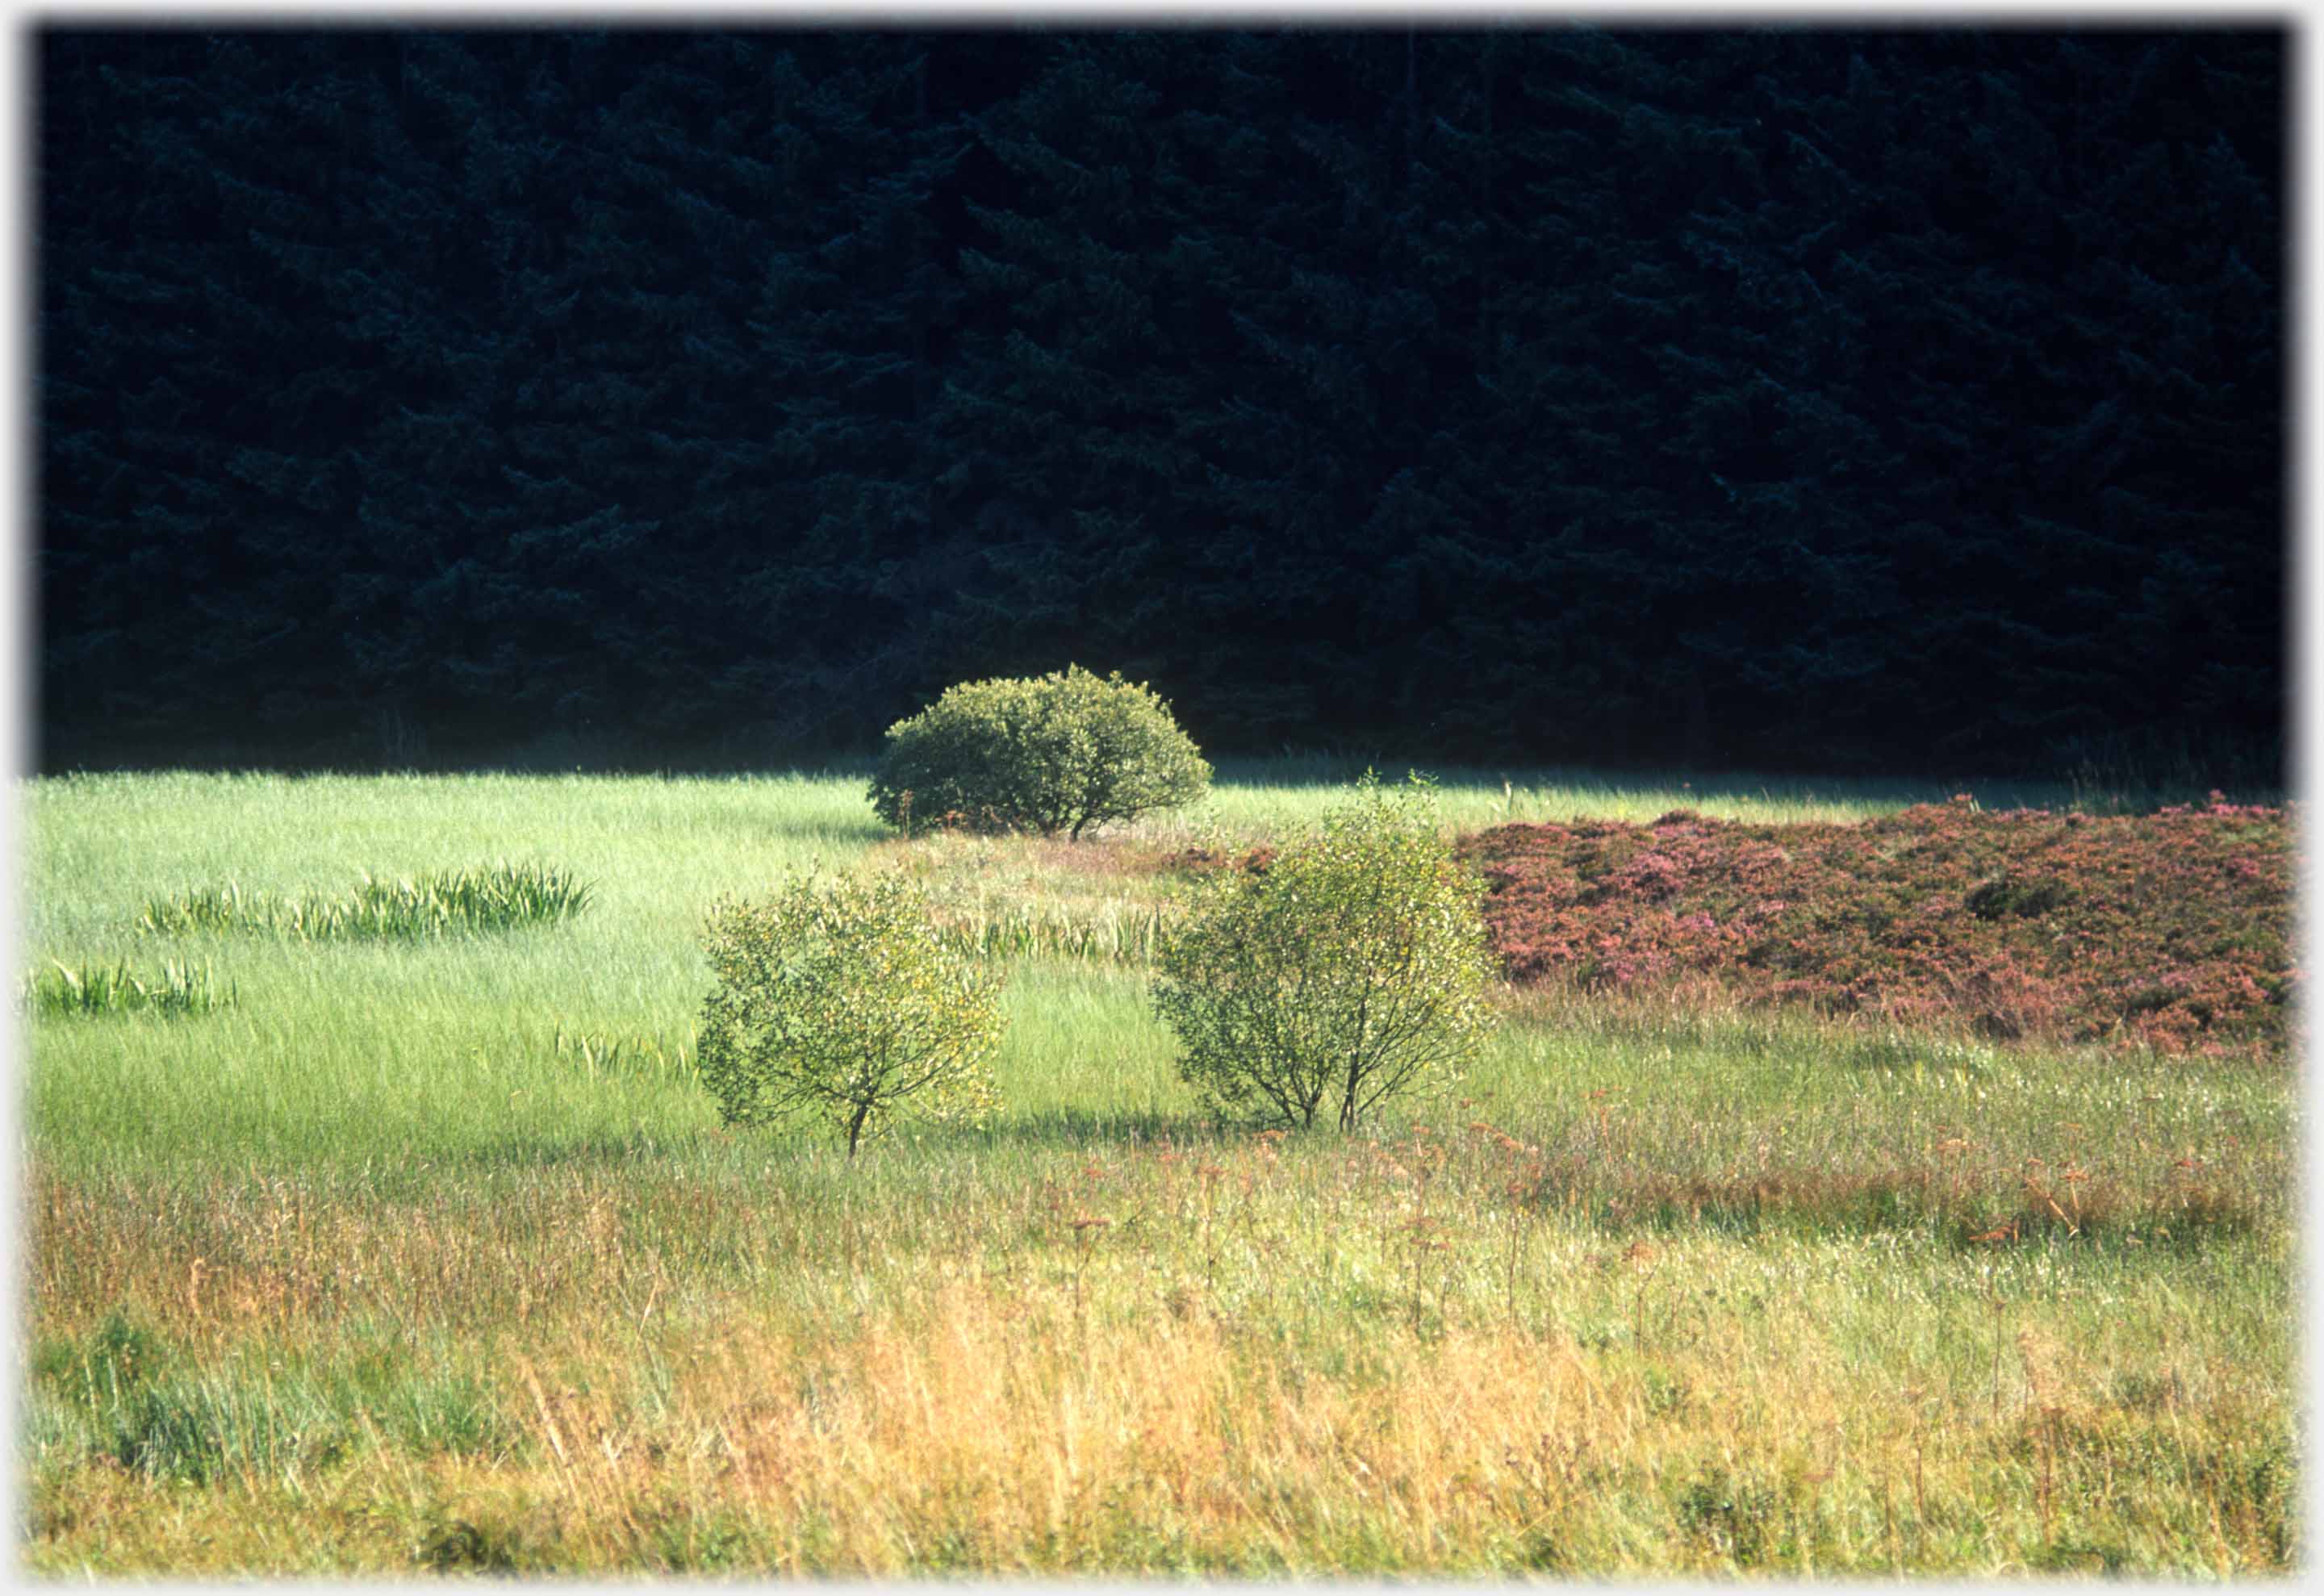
[431,1255]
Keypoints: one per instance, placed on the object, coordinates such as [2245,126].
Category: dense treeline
[1774,396]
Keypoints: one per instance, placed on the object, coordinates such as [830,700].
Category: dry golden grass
[1267,1357]
[986,1431]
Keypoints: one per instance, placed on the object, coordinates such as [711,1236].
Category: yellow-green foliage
[1351,969]
[837,998]
[1058,753]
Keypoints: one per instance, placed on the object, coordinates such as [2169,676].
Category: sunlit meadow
[426,1252]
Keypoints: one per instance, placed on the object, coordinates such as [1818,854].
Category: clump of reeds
[97,988]
[433,903]
[1124,934]
[202,909]
[500,896]
[599,1055]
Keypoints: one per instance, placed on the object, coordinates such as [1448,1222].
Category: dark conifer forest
[1777,397]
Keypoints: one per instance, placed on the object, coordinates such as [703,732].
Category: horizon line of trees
[1786,397]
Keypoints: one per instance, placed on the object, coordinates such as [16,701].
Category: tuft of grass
[433,903]
[1108,902]
[96,987]
[1110,933]
[202,909]
[598,1054]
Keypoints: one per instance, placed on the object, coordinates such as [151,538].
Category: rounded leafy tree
[1354,968]
[837,999]
[1057,753]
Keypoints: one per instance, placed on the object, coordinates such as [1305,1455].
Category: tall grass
[1119,933]
[429,1255]
[1198,1354]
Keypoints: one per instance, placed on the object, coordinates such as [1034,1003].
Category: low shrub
[1351,968]
[837,998]
[2169,930]
[1058,753]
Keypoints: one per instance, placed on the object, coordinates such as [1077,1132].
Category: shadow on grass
[2108,791]
[517,1153]
[765,822]
[1081,1128]
[1064,1130]
[2112,792]
[1317,771]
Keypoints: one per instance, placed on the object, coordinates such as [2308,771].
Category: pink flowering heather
[2171,931]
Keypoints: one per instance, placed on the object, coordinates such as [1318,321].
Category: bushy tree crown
[1057,753]
[1353,969]
[836,997]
